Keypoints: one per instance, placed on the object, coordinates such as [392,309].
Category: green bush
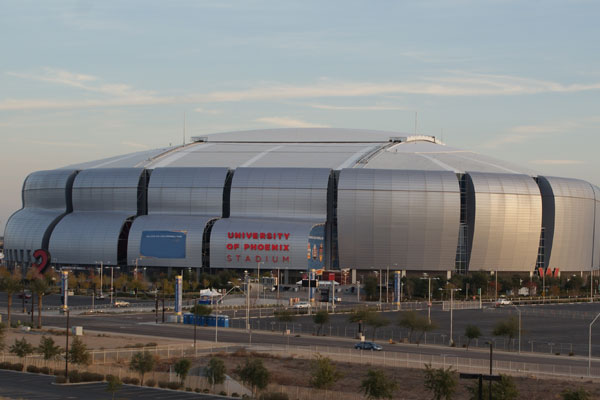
[274,396]
[45,371]
[91,377]
[163,384]
[151,383]
[33,369]
[174,385]
[74,376]
[235,394]
[131,381]
[188,389]
[60,379]
[5,365]
[17,367]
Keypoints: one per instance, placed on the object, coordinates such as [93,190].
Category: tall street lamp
[590,346]
[429,278]
[452,290]
[519,311]
[217,312]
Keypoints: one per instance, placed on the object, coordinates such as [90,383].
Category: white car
[503,302]
[301,305]
[121,303]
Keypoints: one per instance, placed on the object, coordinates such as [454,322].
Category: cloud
[358,108]
[134,144]
[523,133]
[118,94]
[60,144]
[557,162]
[289,122]
[205,111]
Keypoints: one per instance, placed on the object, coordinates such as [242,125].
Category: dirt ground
[93,340]
[296,372]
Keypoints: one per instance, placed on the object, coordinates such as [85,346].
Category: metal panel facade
[103,199]
[397,218]
[45,200]
[508,220]
[293,193]
[571,234]
[186,191]
[243,243]
[273,213]
[596,257]
[179,200]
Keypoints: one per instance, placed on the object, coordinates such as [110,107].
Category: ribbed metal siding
[573,228]
[103,199]
[596,257]
[186,191]
[179,199]
[294,193]
[289,200]
[298,230]
[398,218]
[44,201]
[508,220]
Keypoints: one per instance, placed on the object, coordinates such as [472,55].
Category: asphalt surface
[21,385]
[143,325]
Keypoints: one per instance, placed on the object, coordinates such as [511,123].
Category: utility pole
[67,349]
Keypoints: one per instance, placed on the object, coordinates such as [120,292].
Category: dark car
[368,346]
[26,295]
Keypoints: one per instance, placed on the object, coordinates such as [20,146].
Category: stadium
[301,199]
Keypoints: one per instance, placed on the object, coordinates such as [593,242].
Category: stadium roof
[313,147]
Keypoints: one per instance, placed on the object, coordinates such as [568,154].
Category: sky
[84,80]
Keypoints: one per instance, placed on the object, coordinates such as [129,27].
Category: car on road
[25,295]
[368,346]
[100,296]
[121,303]
[301,305]
[503,302]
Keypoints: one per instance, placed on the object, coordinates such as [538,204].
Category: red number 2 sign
[42,258]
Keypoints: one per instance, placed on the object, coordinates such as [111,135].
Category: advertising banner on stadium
[163,244]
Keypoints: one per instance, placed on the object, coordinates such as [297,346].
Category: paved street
[19,385]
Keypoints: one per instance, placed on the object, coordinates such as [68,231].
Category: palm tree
[11,284]
[39,287]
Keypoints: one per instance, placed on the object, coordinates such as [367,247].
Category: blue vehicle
[368,346]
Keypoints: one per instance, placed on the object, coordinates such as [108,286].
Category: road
[143,324]
[20,385]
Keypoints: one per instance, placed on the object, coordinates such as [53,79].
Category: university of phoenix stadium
[297,199]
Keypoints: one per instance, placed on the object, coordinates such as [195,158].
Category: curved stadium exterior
[297,199]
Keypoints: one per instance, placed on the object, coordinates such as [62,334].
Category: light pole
[452,290]
[429,278]
[217,312]
[590,346]
[247,281]
[258,292]
[519,311]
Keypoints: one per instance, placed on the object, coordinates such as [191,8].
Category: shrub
[74,376]
[235,394]
[151,382]
[163,384]
[174,385]
[33,369]
[223,393]
[110,377]
[17,367]
[197,390]
[5,365]
[45,370]
[60,379]
[91,377]
[131,381]
[274,396]
[188,389]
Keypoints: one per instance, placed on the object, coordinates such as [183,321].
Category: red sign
[267,247]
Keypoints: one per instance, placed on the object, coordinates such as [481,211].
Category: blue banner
[163,244]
